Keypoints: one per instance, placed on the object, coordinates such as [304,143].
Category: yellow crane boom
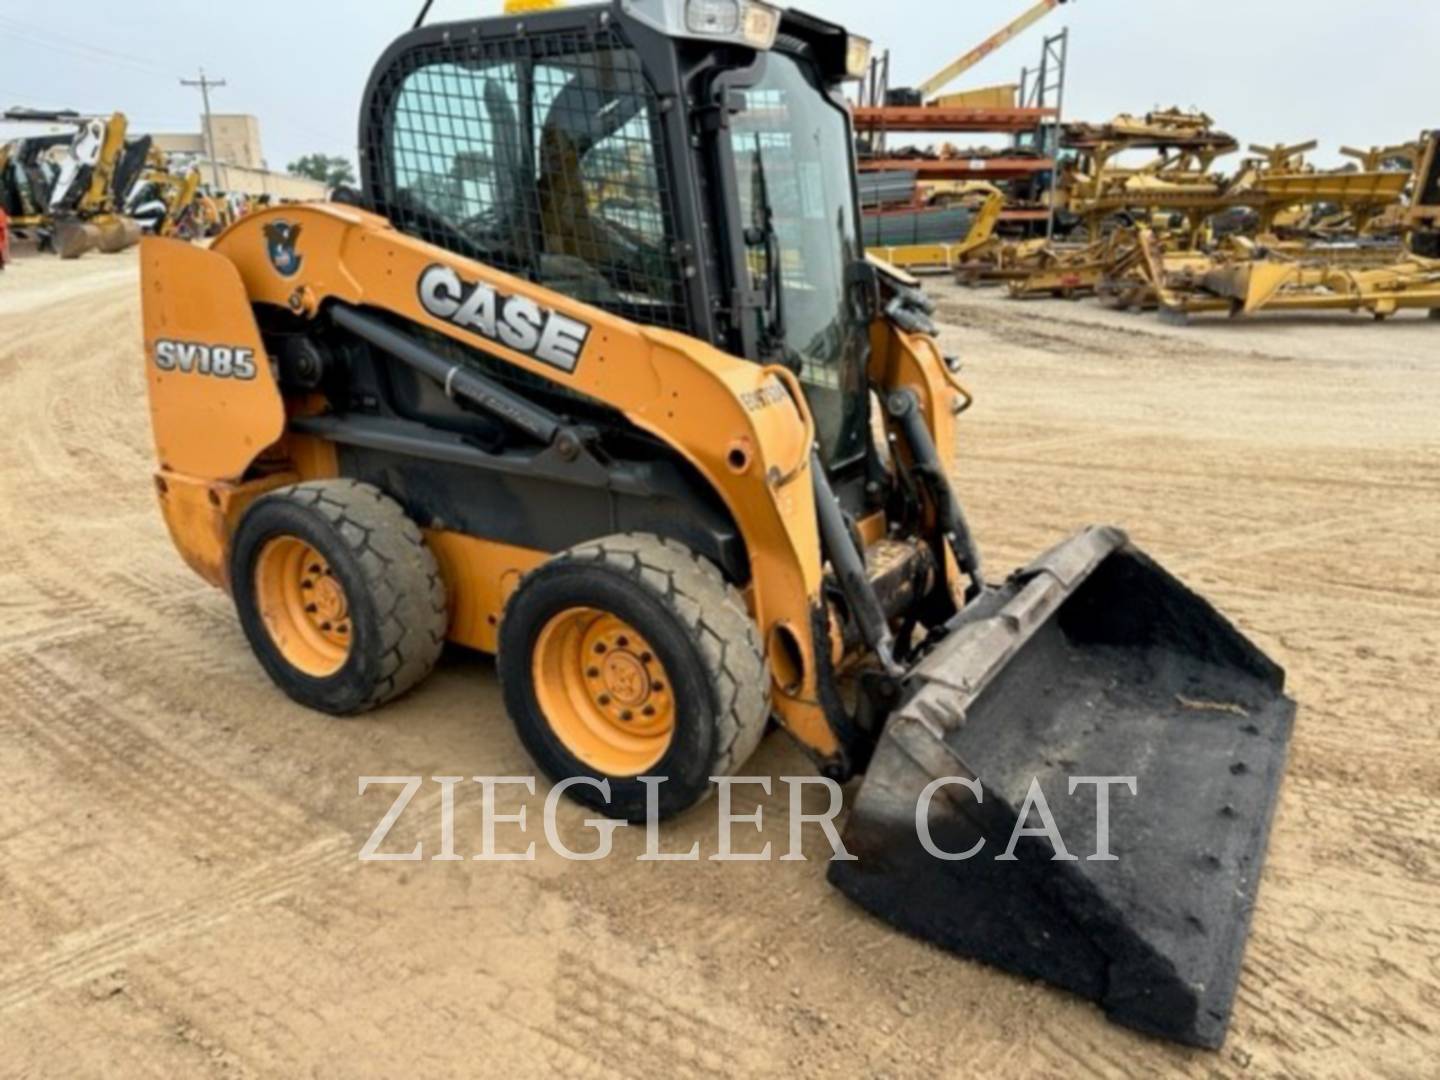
[948,74]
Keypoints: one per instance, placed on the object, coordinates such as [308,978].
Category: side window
[457,159]
[548,165]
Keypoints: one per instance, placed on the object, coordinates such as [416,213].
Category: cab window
[548,165]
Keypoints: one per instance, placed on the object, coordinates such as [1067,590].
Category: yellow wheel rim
[604,692]
[303,606]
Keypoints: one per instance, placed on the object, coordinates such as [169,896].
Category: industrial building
[239,159]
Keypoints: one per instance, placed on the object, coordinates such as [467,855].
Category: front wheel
[631,657]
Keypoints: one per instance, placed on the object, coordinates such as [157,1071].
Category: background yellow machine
[594,375]
[68,191]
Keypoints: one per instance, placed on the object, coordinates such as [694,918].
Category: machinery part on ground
[338,594]
[1249,279]
[1069,272]
[1285,196]
[1093,648]
[985,258]
[632,656]
[1422,218]
[645,425]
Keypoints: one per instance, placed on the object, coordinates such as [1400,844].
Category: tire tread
[717,620]
[399,569]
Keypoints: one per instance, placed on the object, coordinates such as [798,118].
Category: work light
[750,21]
[857,57]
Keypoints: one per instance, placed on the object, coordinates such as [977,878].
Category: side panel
[214,405]
[479,577]
[201,516]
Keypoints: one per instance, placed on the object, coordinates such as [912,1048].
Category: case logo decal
[517,322]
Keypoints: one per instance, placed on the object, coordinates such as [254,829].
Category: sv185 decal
[189,358]
[517,322]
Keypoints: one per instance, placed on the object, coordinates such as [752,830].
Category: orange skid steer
[586,376]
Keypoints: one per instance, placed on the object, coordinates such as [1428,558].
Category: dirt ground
[180,892]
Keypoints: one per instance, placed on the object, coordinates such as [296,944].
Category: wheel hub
[626,679]
[303,605]
[604,691]
[329,597]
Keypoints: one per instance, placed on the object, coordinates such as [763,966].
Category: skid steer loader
[593,374]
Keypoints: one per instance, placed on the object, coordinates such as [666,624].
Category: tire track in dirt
[611,1018]
[87,955]
[91,954]
[95,746]
[1214,480]
[1044,331]
[1267,542]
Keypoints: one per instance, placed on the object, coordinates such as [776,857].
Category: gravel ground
[179,887]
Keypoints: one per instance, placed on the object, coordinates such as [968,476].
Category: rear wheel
[632,657]
[340,598]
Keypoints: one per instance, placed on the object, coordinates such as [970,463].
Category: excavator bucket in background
[72,239]
[75,237]
[119,234]
[1091,662]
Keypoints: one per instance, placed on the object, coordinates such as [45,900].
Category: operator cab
[685,164]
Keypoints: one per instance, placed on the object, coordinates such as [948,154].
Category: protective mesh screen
[541,156]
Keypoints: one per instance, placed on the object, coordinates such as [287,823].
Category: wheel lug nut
[649,710]
[604,699]
[600,648]
[623,641]
[592,673]
[658,687]
[627,715]
[645,658]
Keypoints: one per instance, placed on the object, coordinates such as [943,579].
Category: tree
[330,171]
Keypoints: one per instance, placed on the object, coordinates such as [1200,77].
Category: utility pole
[206,85]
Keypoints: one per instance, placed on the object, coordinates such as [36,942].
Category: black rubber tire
[699,626]
[397,599]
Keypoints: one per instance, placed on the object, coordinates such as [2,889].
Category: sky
[1346,73]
